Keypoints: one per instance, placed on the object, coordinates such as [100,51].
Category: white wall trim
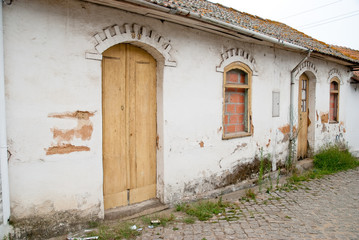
[306,66]
[131,33]
[334,72]
[237,55]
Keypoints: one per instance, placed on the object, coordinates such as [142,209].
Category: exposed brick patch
[234,110]
[63,137]
[65,149]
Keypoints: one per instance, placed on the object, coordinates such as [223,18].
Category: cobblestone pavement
[326,208]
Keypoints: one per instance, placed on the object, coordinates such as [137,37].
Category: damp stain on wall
[63,137]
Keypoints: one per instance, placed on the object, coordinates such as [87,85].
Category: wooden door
[303,116]
[129,125]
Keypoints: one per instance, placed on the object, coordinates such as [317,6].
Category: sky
[331,21]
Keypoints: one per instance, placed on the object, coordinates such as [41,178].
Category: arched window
[237,101]
[334,100]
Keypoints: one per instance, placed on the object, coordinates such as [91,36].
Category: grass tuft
[203,210]
[120,231]
[332,160]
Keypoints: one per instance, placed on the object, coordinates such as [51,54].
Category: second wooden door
[303,117]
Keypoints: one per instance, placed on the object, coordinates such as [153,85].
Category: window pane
[333,111]
[333,86]
[236,110]
[236,76]
[304,94]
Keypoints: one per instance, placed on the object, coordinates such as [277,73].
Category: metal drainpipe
[3,138]
[292,99]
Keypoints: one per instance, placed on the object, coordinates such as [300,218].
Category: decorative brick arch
[236,55]
[132,33]
[334,72]
[309,68]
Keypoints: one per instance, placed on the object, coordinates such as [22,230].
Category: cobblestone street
[326,208]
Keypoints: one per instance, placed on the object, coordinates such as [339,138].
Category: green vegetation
[265,166]
[119,231]
[332,159]
[250,194]
[328,160]
[203,210]
[189,220]
[163,220]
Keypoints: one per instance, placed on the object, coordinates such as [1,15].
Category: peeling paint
[267,145]
[219,130]
[324,128]
[316,112]
[78,114]
[324,117]
[63,137]
[239,147]
[65,149]
[284,129]
[83,130]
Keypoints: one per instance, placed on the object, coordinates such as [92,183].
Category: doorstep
[135,210]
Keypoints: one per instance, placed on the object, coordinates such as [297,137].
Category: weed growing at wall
[203,210]
[330,159]
[333,159]
[265,166]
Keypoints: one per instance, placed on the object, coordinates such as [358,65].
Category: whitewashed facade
[53,74]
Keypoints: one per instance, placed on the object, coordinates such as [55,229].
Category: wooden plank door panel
[303,116]
[129,125]
[143,126]
[114,117]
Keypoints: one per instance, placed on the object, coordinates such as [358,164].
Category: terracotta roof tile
[268,27]
[347,52]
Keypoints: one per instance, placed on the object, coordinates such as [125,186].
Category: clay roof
[264,26]
[356,76]
[347,52]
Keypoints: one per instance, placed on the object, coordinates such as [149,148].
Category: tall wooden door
[129,125]
[303,116]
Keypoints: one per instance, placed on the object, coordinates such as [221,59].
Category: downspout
[3,138]
[291,138]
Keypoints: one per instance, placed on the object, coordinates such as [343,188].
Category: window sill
[236,135]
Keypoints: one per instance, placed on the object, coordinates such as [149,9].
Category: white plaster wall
[47,72]
[351,110]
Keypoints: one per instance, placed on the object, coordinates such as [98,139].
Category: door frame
[160,59]
[312,82]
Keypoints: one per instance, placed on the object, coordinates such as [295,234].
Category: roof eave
[194,20]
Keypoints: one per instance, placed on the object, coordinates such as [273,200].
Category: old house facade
[110,103]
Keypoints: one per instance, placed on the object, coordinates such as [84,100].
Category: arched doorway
[129,108]
[303,116]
